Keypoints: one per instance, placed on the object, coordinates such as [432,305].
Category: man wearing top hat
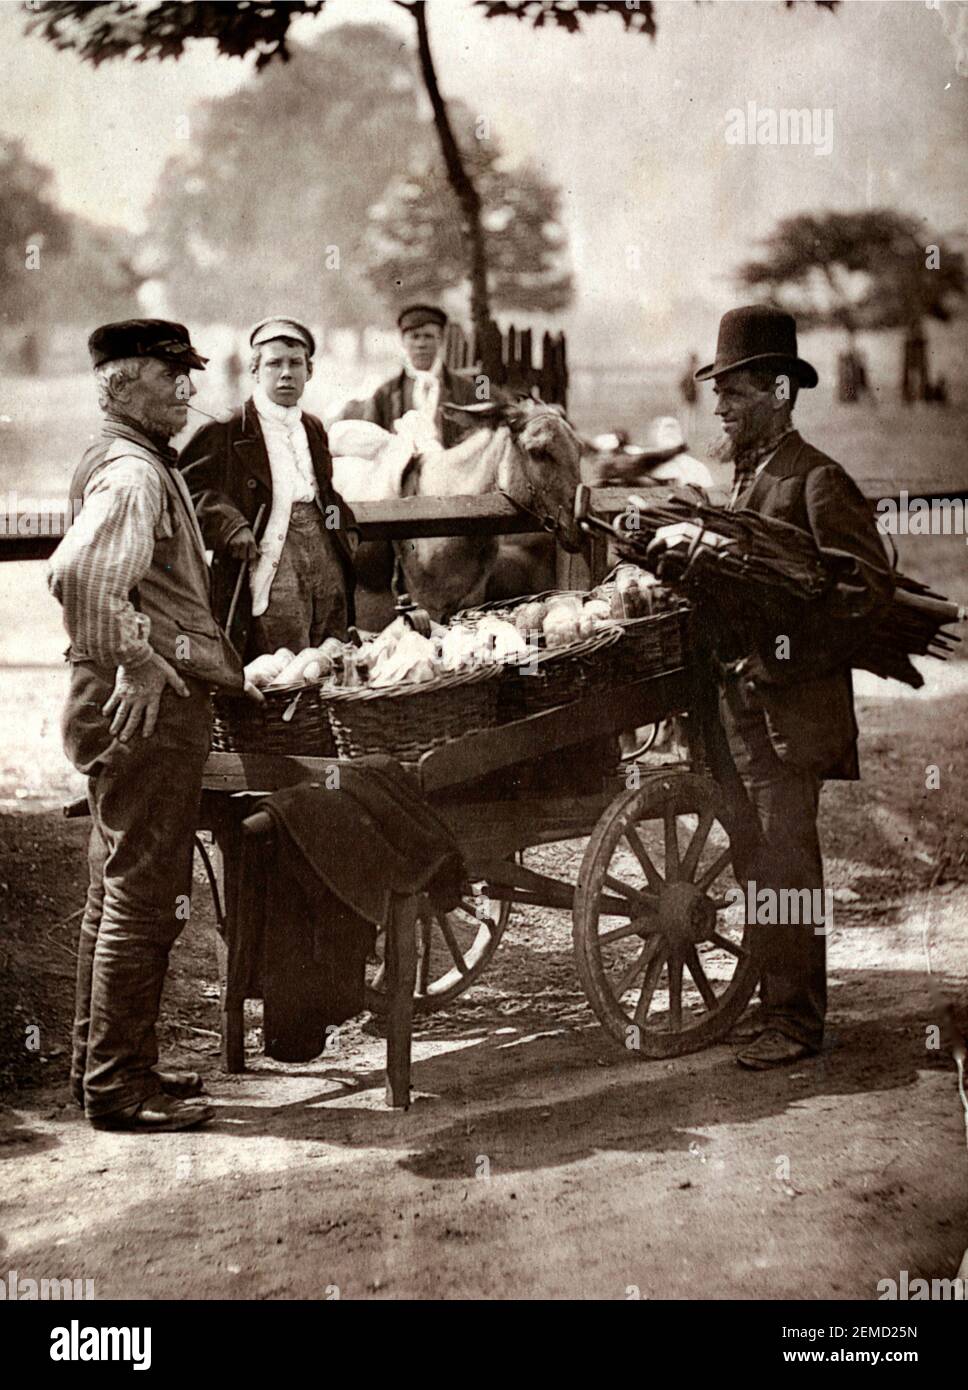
[424,383]
[788,716]
[269,466]
[145,652]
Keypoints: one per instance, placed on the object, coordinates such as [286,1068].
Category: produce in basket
[501,639]
[563,620]
[632,595]
[529,617]
[409,658]
[264,669]
[303,669]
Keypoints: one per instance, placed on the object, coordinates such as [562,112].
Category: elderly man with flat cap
[262,485]
[145,653]
[424,384]
[787,709]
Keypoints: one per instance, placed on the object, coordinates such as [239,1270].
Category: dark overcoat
[395,397]
[807,696]
[226,467]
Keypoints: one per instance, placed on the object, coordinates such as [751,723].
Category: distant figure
[937,391]
[914,377]
[233,374]
[689,391]
[29,354]
[852,381]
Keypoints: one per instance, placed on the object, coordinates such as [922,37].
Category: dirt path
[538,1160]
[535,1163]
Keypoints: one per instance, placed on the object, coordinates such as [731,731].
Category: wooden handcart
[664,967]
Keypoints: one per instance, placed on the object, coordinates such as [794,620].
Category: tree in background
[119,28]
[55,267]
[268,204]
[871,269]
[415,238]
[303,239]
[32,230]
[97,276]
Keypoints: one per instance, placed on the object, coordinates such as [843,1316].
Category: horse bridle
[549,523]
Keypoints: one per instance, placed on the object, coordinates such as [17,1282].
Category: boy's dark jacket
[226,467]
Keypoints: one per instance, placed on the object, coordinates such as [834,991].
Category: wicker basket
[648,646]
[408,720]
[558,675]
[292,720]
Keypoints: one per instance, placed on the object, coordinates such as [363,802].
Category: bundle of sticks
[744,565]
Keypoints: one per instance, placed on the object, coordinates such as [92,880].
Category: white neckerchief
[426,386]
[289,416]
[290,459]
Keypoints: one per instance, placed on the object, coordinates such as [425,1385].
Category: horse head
[541,469]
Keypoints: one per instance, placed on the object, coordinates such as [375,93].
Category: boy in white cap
[271,460]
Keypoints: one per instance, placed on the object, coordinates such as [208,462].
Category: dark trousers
[144,799]
[307,601]
[781,851]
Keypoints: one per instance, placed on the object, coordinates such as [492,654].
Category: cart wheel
[662,967]
[453,950]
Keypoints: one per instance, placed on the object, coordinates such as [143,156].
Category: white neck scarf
[426,386]
[288,416]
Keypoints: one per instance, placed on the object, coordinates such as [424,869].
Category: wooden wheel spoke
[453,946]
[638,967]
[710,875]
[697,844]
[675,991]
[652,976]
[624,907]
[723,941]
[699,975]
[671,844]
[617,933]
[635,895]
[653,877]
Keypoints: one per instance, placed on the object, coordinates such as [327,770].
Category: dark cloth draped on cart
[325,879]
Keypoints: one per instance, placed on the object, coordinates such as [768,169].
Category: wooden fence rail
[490,515]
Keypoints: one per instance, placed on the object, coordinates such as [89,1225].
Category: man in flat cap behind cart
[145,653]
[424,384]
[262,485]
[790,722]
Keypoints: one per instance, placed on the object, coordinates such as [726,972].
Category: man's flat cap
[144,338]
[416,315]
[279,326]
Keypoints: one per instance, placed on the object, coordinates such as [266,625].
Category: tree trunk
[458,177]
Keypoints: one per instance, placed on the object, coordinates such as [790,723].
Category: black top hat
[757,333]
[144,338]
[416,315]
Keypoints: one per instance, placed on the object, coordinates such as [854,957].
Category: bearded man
[145,653]
[789,722]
